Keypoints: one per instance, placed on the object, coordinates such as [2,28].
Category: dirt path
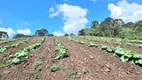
[5,55]
[98,65]
[113,44]
[45,54]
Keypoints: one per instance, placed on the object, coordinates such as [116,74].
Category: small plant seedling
[2,65]
[70,73]
[36,74]
[6,72]
[55,67]
[37,63]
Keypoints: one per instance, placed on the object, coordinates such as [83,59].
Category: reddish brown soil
[9,43]
[113,44]
[5,55]
[100,65]
[87,63]
[46,54]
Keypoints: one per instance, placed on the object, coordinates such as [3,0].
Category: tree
[118,23]
[92,32]
[129,25]
[81,32]
[106,27]
[3,34]
[72,34]
[138,26]
[42,32]
[95,24]
[19,36]
[66,35]
[50,35]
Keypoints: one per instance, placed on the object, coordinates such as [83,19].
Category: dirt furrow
[36,67]
[98,65]
[49,54]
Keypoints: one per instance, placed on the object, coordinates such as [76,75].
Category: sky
[63,16]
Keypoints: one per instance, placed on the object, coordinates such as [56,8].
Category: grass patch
[37,63]
[6,72]
[36,73]
[70,73]
[2,65]
[55,67]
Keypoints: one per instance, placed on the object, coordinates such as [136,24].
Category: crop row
[19,56]
[113,39]
[6,41]
[62,51]
[138,43]
[2,49]
[123,53]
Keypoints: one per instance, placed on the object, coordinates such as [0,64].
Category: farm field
[70,58]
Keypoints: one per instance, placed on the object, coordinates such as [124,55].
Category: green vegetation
[137,43]
[6,41]
[36,74]
[3,34]
[2,49]
[4,73]
[18,57]
[70,73]
[37,63]
[124,54]
[62,51]
[114,28]
[55,67]
[2,65]
[42,32]
[20,36]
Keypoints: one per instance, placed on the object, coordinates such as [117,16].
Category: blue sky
[63,16]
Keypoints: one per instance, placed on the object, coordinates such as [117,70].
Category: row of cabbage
[61,50]
[124,54]
[137,43]
[6,41]
[3,49]
[18,57]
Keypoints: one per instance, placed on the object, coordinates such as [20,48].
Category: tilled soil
[83,63]
[5,55]
[113,44]
[9,43]
[27,70]
[93,64]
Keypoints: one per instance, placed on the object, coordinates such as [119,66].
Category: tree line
[114,28]
[41,32]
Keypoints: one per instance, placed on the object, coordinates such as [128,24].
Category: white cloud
[129,12]
[9,31]
[1,22]
[53,14]
[25,31]
[93,1]
[58,33]
[51,10]
[74,17]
